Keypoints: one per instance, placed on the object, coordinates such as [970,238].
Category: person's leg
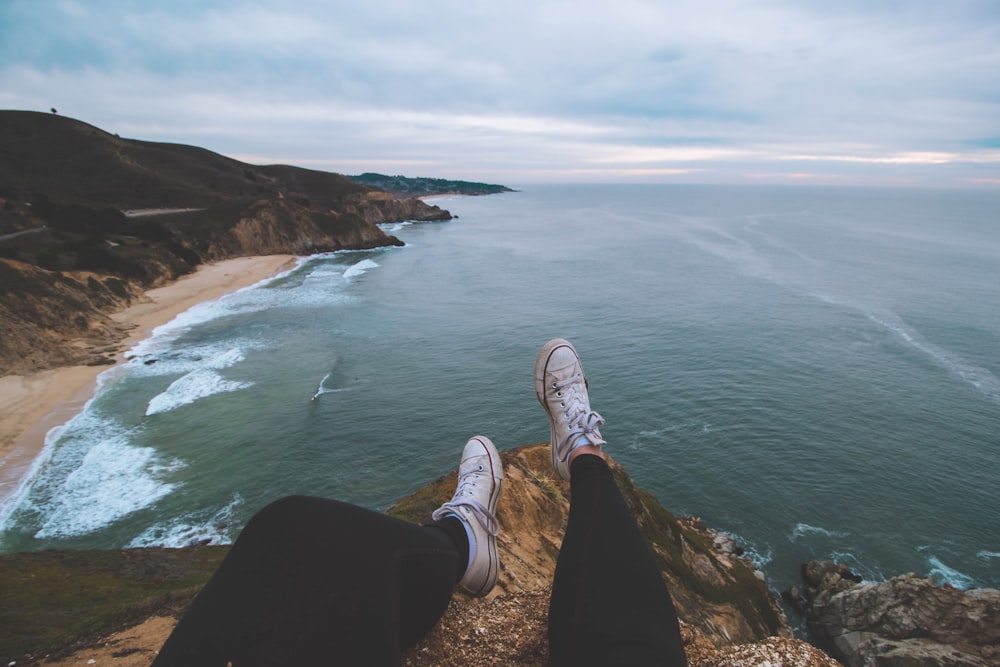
[310,581]
[609,602]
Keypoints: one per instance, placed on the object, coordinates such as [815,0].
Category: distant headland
[404,186]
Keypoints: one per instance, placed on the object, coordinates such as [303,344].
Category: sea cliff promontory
[117,607]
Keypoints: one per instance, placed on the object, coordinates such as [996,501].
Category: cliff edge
[67,605]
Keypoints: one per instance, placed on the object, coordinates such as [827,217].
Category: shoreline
[32,405]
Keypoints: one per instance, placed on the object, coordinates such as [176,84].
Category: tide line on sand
[32,405]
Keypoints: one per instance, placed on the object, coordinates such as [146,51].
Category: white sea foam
[84,422]
[179,360]
[941,573]
[202,382]
[113,481]
[980,378]
[323,389]
[393,227]
[190,388]
[804,529]
[191,529]
[757,556]
[241,300]
[92,477]
[278,291]
[709,237]
[320,390]
[987,555]
[359,268]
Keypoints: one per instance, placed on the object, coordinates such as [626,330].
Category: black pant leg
[609,604]
[312,581]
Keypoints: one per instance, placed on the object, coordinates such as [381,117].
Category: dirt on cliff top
[506,627]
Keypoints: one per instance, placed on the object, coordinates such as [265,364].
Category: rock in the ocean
[906,621]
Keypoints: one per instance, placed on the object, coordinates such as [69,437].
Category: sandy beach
[31,405]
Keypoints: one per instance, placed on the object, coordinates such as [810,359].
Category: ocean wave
[113,482]
[759,556]
[91,477]
[279,291]
[182,359]
[200,383]
[192,529]
[943,574]
[804,529]
[359,268]
[190,388]
[987,555]
[393,227]
[241,300]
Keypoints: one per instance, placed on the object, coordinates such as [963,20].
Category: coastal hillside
[73,162]
[89,220]
[727,612]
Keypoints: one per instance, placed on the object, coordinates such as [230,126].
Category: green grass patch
[57,599]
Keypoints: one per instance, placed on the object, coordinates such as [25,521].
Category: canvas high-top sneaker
[480,475]
[561,388]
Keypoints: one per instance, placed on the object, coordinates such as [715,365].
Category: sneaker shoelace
[465,496]
[581,420]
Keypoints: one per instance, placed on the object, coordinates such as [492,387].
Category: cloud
[637,89]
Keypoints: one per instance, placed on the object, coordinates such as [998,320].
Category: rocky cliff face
[50,318]
[906,621]
[269,227]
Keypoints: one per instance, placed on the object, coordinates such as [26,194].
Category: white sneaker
[561,388]
[480,475]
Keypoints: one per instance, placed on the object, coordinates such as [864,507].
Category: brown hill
[69,254]
[73,162]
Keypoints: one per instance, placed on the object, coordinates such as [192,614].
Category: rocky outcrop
[720,594]
[383,207]
[728,615]
[906,621]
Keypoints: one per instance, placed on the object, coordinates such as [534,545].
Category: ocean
[814,370]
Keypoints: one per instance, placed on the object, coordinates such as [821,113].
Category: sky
[851,92]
